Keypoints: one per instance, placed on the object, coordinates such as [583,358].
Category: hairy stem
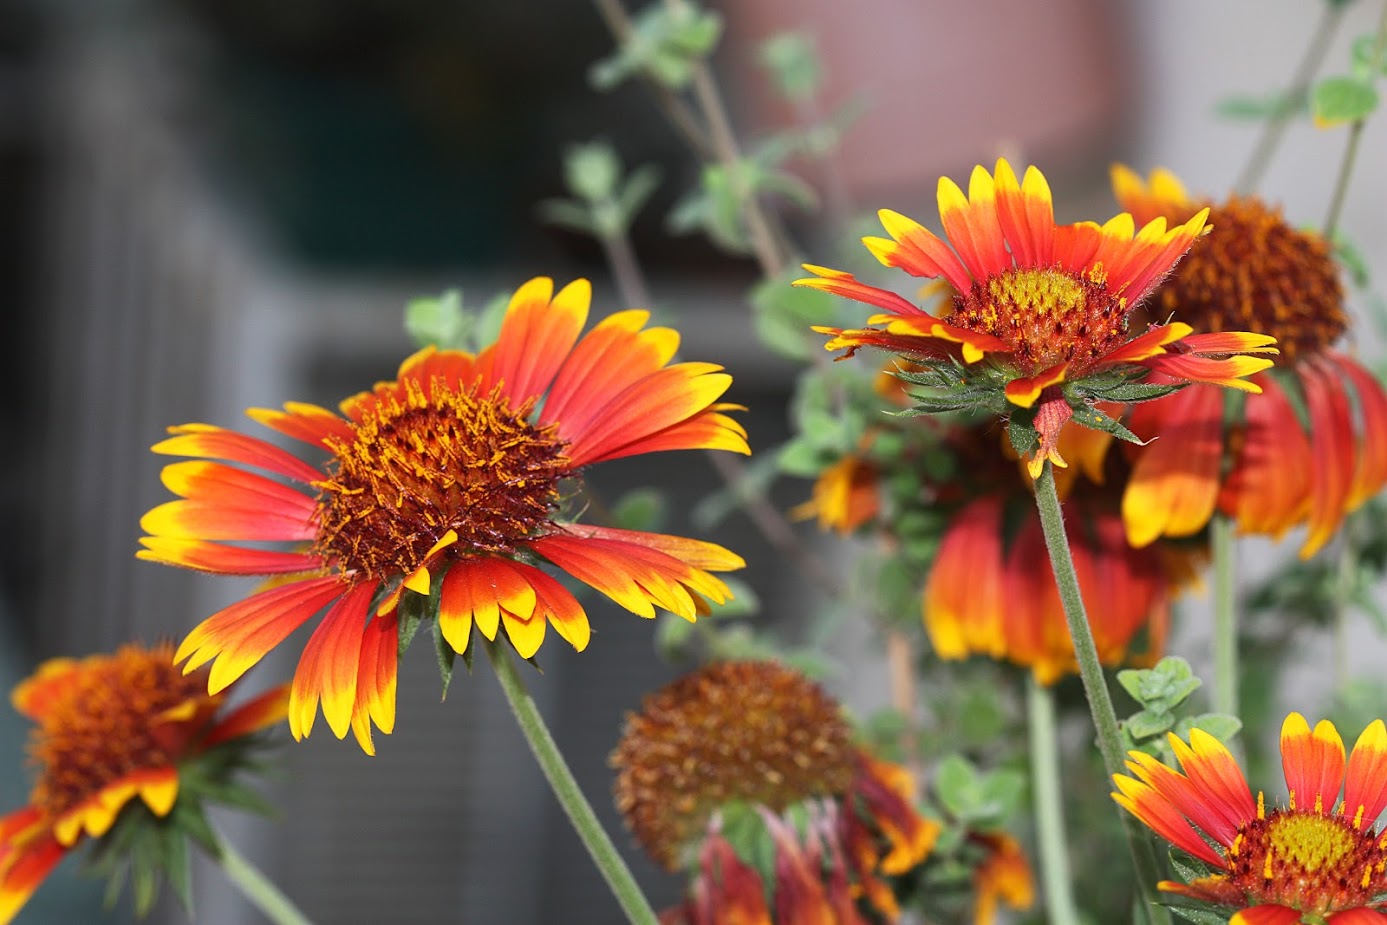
[1048,798]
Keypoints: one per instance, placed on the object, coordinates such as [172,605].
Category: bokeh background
[213,204]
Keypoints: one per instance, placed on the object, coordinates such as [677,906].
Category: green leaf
[1368,61]
[1221,726]
[743,601]
[793,64]
[1021,431]
[1353,260]
[1087,416]
[1274,106]
[1342,99]
[673,636]
[956,784]
[640,184]
[1131,392]
[802,458]
[640,509]
[1149,723]
[592,170]
[565,213]
[446,655]
[437,320]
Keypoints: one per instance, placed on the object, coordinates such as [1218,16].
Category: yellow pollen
[1319,803]
[430,461]
[1234,848]
[1046,316]
[1291,800]
[1311,842]
[1261,805]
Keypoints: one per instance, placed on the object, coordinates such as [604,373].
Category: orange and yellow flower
[449,480]
[1316,859]
[1004,876]
[1047,305]
[111,732]
[1283,468]
[759,735]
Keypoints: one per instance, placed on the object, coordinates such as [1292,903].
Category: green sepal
[412,610]
[1021,431]
[1120,389]
[446,656]
[1091,417]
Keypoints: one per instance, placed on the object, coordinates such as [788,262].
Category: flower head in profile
[443,490]
[1038,328]
[760,743]
[1257,273]
[1316,859]
[120,742]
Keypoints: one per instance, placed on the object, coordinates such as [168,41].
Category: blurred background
[215,204]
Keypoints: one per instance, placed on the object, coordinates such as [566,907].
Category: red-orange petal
[1157,814]
[616,353]
[972,226]
[1360,916]
[917,251]
[536,336]
[1365,784]
[264,711]
[1229,372]
[1267,490]
[303,421]
[22,874]
[1211,767]
[220,559]
[240,635]
[327,669]
[206,441]
[1266,915]
[1333,452]
[1313,761]
[1371,472]
[34,695]
[842,283]
[376,681]
[1174,484]
[1027,214]
[477,590]
[964,600]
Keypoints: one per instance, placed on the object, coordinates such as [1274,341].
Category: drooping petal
[267,710]
[1230,372]
[477,590]
[964,595]
[841,283]
[376,681]
[21,875]
[536,337]
[1365,786]
[328,667]
[557,605]
[208,442]
[240,635]
[1371,471]
[1267,490]
[1333,453]
[1174,484]
[1313,762]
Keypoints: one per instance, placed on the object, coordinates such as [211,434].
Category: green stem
[1225,693]
[1048,798]
[1095,685]
[1355,137]
[257,888]
[580,814]
[1274,129]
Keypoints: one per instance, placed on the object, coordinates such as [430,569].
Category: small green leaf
[1342,99]
[802,458]
[673,636]
[1147,723]
[1368,61]
[1274,106]
[640,509]
[1088,416]
[794,65]
[437,320]
[956,784]
[1221,726]
[1021,431]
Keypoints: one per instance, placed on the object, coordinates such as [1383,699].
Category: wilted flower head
[1257,273]
[761,741]
[1038,328]
[442,494]
[1316,859]
[121,741]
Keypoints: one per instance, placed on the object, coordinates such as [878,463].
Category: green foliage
[784,315]
[667,43]
[976,798]
[1352,260]
[715,206]
[640,509]
[1160,691]
[756,480]
[1342,99]
[794,65]
[1187,869]
[443,322]
[1367,59]
[1272,106]
[605,200]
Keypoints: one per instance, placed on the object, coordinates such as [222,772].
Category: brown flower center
[1046,316]
[429,463]
[104,722]
[755,732]
[1313,862]
[1256,273]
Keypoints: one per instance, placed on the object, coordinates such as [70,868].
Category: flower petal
[1371,472]
[478,590]
[964,599]
[327,669]
[376,681]
[224,560]
[1027,215]
[206,441]
[536,336]
[1333,452]
[1313,763]
[1266,915]
[268,709]
[303,421]
[846,285]
[1266,491]
[917,251]
[1142,801]
[21,874]
[1174,484]
[1365,786]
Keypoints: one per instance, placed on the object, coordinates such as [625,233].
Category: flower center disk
[435,460]
[1309,861]
[1256,273]
[1046,316]
[105,722]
